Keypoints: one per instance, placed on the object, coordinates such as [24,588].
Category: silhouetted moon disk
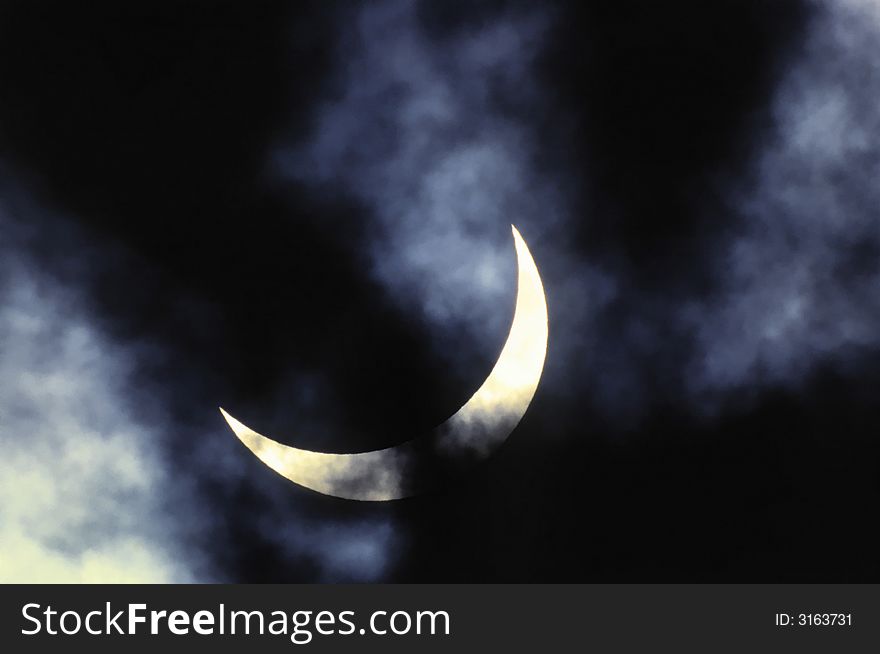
[474,432]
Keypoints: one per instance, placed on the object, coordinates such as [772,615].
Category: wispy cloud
[418,127]
[101,480]
[800,279]
[85,493]
[414,127]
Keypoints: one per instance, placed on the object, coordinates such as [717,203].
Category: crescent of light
[475,431]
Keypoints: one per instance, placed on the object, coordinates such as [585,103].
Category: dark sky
[220,182]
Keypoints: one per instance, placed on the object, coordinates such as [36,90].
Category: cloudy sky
[302,213]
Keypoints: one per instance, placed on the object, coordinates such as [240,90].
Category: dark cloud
[301,212]
[799,277]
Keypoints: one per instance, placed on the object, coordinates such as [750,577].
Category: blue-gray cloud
[800,277]
[414,129]
[86,491]
[99,481]
[415,126]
